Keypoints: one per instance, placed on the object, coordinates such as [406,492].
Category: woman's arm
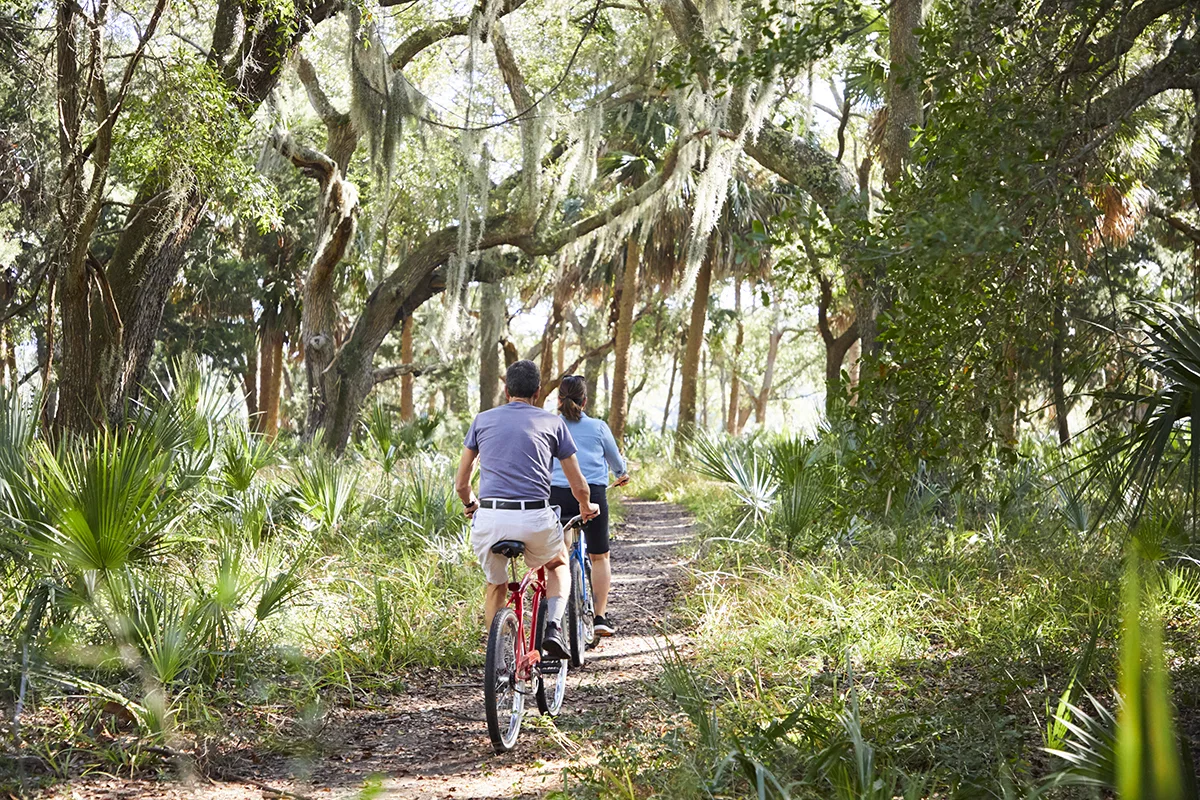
[611,454]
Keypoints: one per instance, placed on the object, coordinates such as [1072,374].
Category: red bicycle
[514,662]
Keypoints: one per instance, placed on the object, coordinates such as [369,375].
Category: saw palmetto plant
[1161,414]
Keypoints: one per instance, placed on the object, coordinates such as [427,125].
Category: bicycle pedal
[549,666]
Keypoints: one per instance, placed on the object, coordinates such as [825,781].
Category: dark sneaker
[605,626]
[553,645]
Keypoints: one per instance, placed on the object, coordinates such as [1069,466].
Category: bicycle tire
[549,702]
[503,696]
[589,607]
[576,618]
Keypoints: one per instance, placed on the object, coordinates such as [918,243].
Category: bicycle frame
[579,554]
[528,656]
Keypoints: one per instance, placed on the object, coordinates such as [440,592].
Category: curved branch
[1179,69]
[390,373]
[435,32]
[316,94]
[1090,56]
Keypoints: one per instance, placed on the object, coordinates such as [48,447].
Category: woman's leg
[601,581]
[598,544]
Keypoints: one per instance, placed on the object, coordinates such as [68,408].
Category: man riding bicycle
[516,445]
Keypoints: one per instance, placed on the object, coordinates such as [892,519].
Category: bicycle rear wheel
[552,675]
[503,694]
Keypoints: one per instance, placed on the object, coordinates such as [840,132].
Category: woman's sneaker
[605,626]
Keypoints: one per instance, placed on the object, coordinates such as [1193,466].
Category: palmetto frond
[1163,407]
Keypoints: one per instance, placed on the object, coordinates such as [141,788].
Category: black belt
[514,505]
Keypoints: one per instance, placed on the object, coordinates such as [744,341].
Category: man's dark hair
[523,380]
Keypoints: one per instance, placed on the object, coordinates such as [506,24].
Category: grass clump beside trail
[185,580]
[941,646]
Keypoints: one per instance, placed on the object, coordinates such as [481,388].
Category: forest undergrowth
[958,642]
[183,586]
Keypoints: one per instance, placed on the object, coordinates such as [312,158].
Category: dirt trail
[431,741]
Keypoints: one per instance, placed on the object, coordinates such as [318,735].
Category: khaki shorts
[538,528]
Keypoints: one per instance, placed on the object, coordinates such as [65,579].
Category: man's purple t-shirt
[517,444]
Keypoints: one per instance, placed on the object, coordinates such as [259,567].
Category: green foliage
[783,487]
[327,490]
[1171,354]
[110,502]
[398,442]
[171,556]
[244,455]
[188,131]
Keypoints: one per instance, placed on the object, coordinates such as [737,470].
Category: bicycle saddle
[509,549]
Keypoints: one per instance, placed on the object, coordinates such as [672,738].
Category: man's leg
[494,598]
[601,581]
[558,587]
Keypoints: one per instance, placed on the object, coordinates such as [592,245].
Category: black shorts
[596,530]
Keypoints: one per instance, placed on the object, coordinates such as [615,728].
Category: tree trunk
[604,381]
[407,411]
[731,421]
[836,347]
[1057,379]
[634,392]
[492,314]
[250,374]
[553,325]
[562,348]
[691,356]
[10,357]
[1006,418]
[272,375]
[591,375]
[903,86]
[764,394]
[266,366]
[629,286]
[671,386]
[336,221]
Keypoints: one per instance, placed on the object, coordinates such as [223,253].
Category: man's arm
[462,481]
[579,487]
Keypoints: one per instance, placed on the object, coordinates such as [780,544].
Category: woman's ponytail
[572,395]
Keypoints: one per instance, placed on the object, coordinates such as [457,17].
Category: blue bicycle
[581,611]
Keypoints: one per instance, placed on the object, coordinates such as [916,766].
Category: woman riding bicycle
[597,453]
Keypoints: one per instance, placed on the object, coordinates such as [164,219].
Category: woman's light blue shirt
[597,452]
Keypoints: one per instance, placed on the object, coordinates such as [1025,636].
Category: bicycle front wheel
[552,674]
[577,617]
[503,694]
[589,607]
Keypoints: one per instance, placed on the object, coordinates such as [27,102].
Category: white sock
[555,608]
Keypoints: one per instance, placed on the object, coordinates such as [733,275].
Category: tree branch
[1090,56]
[511,71]
[1179,69]
[390,373]
[1179,224]
[435,32]
[316,95]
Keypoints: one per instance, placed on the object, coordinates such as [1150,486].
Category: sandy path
[431,741]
